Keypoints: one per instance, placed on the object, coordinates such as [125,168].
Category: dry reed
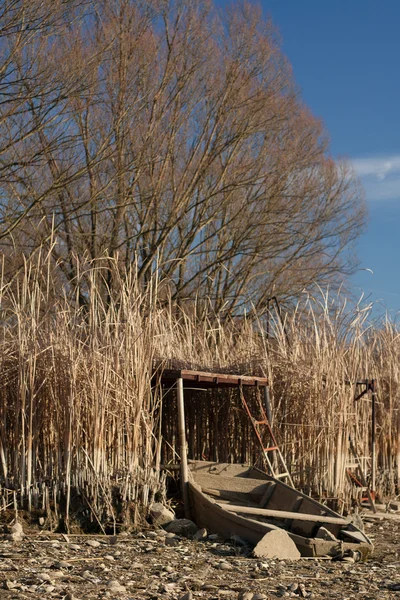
[80,423]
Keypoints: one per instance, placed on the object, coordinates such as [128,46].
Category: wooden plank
[231,484]
[229,496]
[212,379]
[283,514]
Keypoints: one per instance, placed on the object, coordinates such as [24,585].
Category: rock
[44,576]
[325,534]
[187,596]
[63,565]
[246,596]
[87,574]
[115,586]
[174,541]
[10,585]
[259,596]
[160,514]
[276,544]
[201,534]
[302,590]
[93,543]
[16,533]
[394,505]
[169,587]
[224,566]
[41,521]
[184,527]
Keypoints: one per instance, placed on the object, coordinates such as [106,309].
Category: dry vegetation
[80,423]
[160,177]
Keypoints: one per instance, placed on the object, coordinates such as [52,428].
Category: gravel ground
[156,565]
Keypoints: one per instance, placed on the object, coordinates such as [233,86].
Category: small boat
[238,500]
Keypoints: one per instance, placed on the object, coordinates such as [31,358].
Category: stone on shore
[160,514]
[184,527]
[276,544]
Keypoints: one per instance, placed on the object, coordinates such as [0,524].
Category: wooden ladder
[359,479]
[265,436]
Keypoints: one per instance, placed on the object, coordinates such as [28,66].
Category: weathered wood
[183,448]
[212,379]
[229,496]
[267,494]
[283,514]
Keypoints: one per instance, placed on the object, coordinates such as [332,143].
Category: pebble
[87,575]
[10,585]
[174,541]
[224,566]
[201,534]
[62,564]
[93,543]
[168,569]
[115,586]
[44,576]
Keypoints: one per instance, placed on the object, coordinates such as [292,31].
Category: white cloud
[380,176]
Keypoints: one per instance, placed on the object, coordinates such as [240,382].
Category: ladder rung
[280,475]
[262,422]
[270,448]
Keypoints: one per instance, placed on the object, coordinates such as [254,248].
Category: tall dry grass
[80,428]
[76,407]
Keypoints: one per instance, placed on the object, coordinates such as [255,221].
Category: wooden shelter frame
[203,380]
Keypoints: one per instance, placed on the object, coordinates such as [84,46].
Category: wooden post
[267,404]
[373,435]
[183,448]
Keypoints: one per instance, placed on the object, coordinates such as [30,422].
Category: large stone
[276,544]
[160,514]
[16,533]
[184,527]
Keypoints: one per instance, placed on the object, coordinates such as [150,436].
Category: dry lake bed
[150,565]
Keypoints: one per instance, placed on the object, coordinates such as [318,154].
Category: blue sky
[345,57]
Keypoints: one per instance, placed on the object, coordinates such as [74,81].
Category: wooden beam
[183,447]
[283,514]
[205,379]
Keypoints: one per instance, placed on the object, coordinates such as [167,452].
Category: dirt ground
[148,565]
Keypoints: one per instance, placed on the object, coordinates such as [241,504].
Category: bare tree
[166,136]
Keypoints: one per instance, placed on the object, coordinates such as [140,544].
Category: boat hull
[213,487]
